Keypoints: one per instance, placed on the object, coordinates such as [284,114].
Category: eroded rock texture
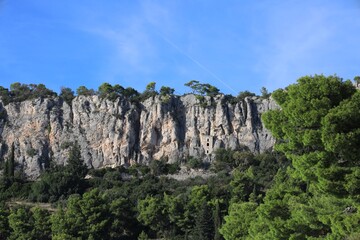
[115,133]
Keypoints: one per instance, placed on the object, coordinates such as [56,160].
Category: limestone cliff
[115,133]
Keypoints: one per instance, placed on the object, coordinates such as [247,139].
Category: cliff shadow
[179,115]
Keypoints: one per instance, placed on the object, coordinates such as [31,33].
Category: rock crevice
[113,133]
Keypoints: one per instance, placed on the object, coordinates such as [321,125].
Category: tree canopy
[202,88]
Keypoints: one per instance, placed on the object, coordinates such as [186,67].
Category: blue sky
[233,44]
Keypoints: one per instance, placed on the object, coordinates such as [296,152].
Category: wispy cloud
[200,65]
[295,39]
[307,39]
[129,49]
[132,37]
[238,45]
[161,19]
[160,16]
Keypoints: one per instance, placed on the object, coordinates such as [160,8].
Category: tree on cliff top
[202,89]
[149,91]
[357,80]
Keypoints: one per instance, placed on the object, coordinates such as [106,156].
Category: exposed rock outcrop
[116,133]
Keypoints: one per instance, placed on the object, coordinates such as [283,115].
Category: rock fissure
[113,133]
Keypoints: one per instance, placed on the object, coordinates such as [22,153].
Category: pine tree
[21,224]
[42,225]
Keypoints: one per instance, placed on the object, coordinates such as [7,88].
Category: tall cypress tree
[75,164]
[217,221]
[204,228]
[10,164]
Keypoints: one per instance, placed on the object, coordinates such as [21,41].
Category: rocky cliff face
[115,133]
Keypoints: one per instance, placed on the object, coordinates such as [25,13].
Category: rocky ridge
[113,133]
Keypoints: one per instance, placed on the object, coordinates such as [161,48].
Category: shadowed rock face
[116,133]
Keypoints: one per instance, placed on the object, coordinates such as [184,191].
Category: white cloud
[134,38]
[296,37]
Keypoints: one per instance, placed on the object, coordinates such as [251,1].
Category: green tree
[42,225]
[75,164]
[19,92]
[131,94]
[4,223]
[40,91]
[175,209]
[198,195]
[341,130]
[67,94]
[316,127]
[210,90]
[117,91]
[243,159]
[243,94]
[204,224]
[82,90]
[242,185]
[151,87]
[298,124]
[122,222]
[61,181]
[69,223]
[217,220]
[202,89]
[166,91]
[105,90]
[341,136]
[143,236]
[357,80]
[149,91]
[238,221]
[21,224]
[194,85]
[10,164]
[5,95]
[96,215]
[264,92]
[224,159]
[85,217]
[194,163]
[152,215]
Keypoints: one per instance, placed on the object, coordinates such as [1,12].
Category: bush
[31,152]
[194,163]
[243,94]
[66,145]
[172,168]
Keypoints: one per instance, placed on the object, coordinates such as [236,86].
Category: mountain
[113,133]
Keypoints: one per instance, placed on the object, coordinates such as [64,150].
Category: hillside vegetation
[307,188]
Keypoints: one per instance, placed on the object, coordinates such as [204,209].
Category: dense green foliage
[203,88]
[109,206]
[67,95]
[19,92]
[124,203]
[317,196]
[61,181]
